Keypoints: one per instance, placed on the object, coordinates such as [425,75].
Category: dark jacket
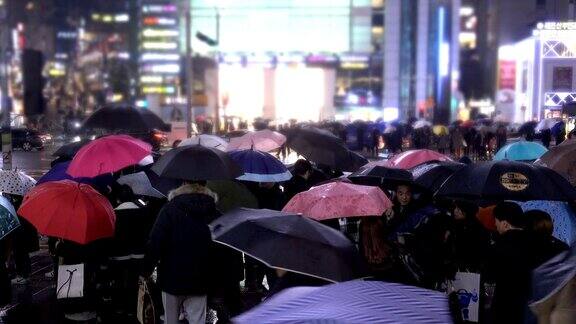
[295,186]
[134,222]
[514,256]
[272,198]
[292,279]
[181,241]
[468,244]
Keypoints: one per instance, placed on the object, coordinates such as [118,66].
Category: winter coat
[181,242]
[514,256]
[295,186]
[468,244]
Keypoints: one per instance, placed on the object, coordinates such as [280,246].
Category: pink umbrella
[264,140]
[339,199]
[412,158]
[108,154]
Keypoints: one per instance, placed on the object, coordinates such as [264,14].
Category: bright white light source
[160,45]
[122,18]
[160,33]
[160,57]
[390,114]
[163,68]
[151,79]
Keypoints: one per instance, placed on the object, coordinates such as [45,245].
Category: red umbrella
[339,199]
[69,210]
[108,154]
[412,158]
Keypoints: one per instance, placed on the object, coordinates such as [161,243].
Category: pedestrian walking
[180,244]
[300,180]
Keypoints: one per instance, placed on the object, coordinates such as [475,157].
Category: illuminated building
[541,71]
[422,58]
[287,59]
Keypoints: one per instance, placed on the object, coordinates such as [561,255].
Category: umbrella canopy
[528,127]
[431,176]
[205,140]
[260,166]
[421,124]
[290,242]
[232,194]
[562,159]
[359,302]
[263,140]
[164,185]
[69,210]
[440,130]
[59,172]
[140,185]
[549,278]
[507,180]
[124,118]
[387,177]
[107,155]
[562,215]
[547,123]
[521,151]
[339,199]
[15,182]
[68,151]
[196,163]
[412,158]
[8,219]
[322,147]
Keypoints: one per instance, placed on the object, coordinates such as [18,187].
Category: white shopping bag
[70,281]
[466,286]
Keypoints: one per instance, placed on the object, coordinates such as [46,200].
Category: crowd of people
[419,241]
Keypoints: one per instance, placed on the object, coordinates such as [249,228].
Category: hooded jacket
[180,241]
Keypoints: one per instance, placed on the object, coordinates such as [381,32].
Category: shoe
[49,275]
[19,280]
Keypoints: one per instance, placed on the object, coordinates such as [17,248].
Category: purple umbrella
[58,172]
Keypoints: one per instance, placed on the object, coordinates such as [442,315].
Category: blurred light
[76,139]
[444,59]
[160,57]
[141,103]
[61,56]
[390,114]
[352,99]
[466,11]
[56,72]
[66,35]
[378,30]
[162,68]
[122,18]
[290,58]
[353,65]
[117,97]
[158,90]
[507,52]
[151,79]
[159,8]
[160,45]
[160,33]
[20,27]
[107,18]
[96,16]
[159,21]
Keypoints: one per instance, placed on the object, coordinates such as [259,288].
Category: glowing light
[466,11]
[122,18]
[299,93]
[158,8]
[160,45]
[141,103]
[107,18]
[56,72]
[246,98]
[160,57]
[390,114]
[160,33]
[151,79]
[117,97]
[162,68]
[159,21]
[158,90]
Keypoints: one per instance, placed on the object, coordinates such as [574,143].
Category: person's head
[303,168]
[539,222]
[267,185]
[508,215]
[464,210]
[404,194]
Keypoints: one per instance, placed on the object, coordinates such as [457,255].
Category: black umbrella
[527,127]
[376,175]
[196,163]
[124,118]
[322,147]
[68,151]
[290,242]
[430,176]
[164,185]
[507,180]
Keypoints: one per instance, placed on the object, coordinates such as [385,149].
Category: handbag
[146,310]
[466,288]
[70,281]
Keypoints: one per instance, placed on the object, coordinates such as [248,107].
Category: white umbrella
[15,182]
[140,185]
[547,123]
[421,124]
[210,141]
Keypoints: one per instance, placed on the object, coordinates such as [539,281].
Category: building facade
[422,58]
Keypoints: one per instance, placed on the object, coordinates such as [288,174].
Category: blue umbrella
[352,302]
[8,219]
[521,151]
[562,215]
[260,166]
[549,278]
[58,172]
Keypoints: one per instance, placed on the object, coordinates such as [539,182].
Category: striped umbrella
[356,302]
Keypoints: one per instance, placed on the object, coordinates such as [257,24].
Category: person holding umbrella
[299,182]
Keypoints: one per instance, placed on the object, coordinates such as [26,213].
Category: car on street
[27,139]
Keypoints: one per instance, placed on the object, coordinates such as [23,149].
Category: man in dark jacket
[181,243]
[510,264]
[299,182]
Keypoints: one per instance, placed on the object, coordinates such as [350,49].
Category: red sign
[507,75]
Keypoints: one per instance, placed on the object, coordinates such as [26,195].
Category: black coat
[515,254]
[468,245]
[295,186]
[181,241]
[134,222]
